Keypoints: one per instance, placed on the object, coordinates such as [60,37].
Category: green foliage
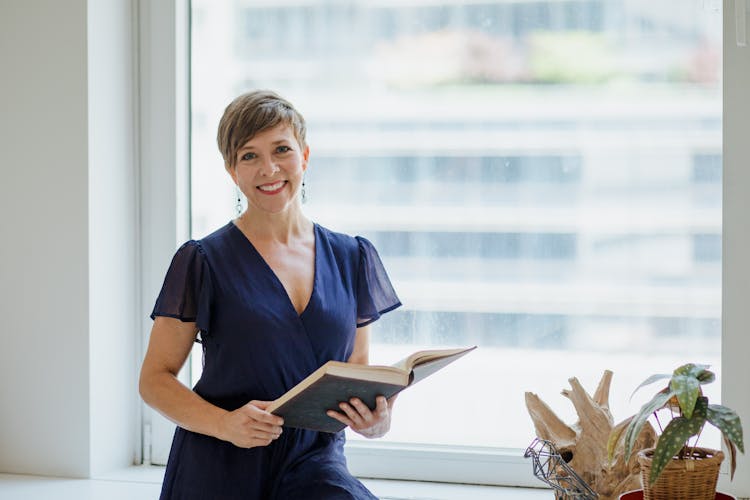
[728,423]
[687,389]
[684,396]
[634,429]
[571,57]
[673,439]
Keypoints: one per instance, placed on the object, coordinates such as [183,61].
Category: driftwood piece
[583,445]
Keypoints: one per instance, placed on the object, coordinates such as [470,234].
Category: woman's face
[269,169]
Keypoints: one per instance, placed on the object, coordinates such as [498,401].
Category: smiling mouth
[272,188]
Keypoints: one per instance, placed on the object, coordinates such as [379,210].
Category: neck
[280,228]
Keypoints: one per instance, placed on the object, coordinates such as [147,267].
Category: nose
[269,168]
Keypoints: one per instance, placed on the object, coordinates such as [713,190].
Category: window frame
[164,220]
[735,236]
[163,81]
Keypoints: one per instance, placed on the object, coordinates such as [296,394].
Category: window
[541,179]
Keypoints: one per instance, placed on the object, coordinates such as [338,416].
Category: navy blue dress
[256,346]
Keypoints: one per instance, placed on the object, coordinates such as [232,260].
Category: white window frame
[736,236]
[164,149]
[164,108]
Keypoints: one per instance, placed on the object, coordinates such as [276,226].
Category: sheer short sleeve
[186,292]
[375,294]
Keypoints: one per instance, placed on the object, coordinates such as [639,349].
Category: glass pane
[541,178]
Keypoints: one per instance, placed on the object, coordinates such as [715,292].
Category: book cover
[305,405]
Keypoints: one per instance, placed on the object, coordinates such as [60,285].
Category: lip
[275,191]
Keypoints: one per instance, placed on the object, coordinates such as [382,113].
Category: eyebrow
[274,143]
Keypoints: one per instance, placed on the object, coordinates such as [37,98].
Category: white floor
[144,484]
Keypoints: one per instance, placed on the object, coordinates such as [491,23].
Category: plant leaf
[728,422]
[732,456]
[614,437]
[650,380]
[691,369]
[706,376]
[639,419]
[674,437]
[687,388]
[701,372]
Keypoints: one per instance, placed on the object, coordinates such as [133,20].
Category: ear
[305,157]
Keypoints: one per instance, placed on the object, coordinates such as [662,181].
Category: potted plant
[674,468]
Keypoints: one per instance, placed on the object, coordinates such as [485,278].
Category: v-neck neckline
[276,278]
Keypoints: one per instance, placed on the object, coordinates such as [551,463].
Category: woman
[272,296]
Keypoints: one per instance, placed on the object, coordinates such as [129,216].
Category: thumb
[260,404]
[259,409]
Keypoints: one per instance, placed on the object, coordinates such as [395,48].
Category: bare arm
[369,423]
[361,352]
[168,349]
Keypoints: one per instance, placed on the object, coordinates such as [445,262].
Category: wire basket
[550,468]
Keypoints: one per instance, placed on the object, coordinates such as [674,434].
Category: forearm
[166,394]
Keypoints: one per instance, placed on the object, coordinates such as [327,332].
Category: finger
[381,404]
[254,441]
[264,436]
[382,408]
[353,414]
[341,418]
[363,410]
[261,425]
[273,431]
[380,412]
[256,409]
[263,420]
[260,404]
[248,438]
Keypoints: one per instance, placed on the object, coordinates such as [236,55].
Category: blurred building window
[541,178]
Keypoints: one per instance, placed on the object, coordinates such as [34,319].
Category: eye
[283,149]
[248,156]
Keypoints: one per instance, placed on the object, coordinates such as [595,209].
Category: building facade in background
[540,177]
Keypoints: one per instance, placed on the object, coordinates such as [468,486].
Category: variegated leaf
[706,377]
[700,372]
[732,449]
[728,422]
[614,437]
[674,437]
[636,425]
[687,389]
[650,380]
[691,369]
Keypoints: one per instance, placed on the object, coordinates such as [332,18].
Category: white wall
[67,259]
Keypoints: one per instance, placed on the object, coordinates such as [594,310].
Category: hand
[369,423]
[250,425]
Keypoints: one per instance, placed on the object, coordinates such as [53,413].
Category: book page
[426,356]
[387,374]
[430,364]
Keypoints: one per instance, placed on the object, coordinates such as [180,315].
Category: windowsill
[145,482]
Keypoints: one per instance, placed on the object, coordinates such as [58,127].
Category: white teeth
[271,187]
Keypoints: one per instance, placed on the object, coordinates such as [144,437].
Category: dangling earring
[304,194]
[238,205]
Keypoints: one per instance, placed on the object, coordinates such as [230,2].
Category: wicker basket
[693,478]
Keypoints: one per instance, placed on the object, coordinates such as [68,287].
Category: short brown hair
[255,112]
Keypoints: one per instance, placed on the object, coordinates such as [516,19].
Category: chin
[273,208]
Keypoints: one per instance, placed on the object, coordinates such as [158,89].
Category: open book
[305,404]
